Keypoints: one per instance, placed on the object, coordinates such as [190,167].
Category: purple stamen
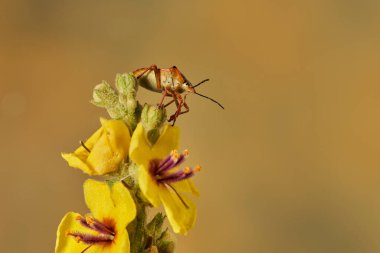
[160,169]
[83,222]
[167,166]
[99,227]
[175,177]
[104,233]
[91,239]
[171,163]
[180,160]
[163,162]
[94,224]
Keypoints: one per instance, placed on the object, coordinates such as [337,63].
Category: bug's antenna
[213,100]
[206,80]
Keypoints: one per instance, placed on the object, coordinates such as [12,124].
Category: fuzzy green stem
[138,238]
[140,230]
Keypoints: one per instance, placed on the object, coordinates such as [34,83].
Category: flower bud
[104,95]
[126,84]
[166,247]
[152,119]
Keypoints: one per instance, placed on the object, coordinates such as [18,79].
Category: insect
[171,83]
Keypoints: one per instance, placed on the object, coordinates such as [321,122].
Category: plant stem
[138,239]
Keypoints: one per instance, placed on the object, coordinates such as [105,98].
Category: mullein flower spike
[138,152]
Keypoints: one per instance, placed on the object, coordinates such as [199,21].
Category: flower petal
[109,202]
[120,244]
[168,140]
[78,158]
[139,149]
[124,207]
[103,151]
[67,244]
[111,147]
[148,186]
[186,186]
[117,133]
[74,161]
[181,218]
[98,198]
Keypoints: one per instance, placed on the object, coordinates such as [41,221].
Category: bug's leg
[187,108]
[169,103]
[179,107]
[173,117]
[170,94]
[157,75]
[164,93]
[139,72]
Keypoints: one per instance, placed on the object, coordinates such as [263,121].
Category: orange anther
[187,170]
[174,154]
[90,220]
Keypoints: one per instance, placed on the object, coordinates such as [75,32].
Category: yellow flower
[159,178]
[103,151]
[102,231]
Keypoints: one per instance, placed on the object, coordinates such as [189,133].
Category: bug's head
[188,87]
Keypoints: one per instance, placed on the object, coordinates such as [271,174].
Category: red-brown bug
[171,83]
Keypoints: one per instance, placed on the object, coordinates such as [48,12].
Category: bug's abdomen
[148,81]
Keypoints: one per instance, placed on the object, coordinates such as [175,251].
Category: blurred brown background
[291,165]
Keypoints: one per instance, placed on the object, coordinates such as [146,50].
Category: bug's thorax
[172,80]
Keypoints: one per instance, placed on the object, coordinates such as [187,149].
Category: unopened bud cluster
[120,103]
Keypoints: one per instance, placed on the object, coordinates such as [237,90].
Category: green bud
[166,247]
[153,118]
[126,84]
[154,227]
[159,240]
[104,95]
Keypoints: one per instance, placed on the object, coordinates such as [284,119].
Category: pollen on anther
[89,220]
[78,238]
[187,170]
[174,154]
[197,168]
[185,152]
